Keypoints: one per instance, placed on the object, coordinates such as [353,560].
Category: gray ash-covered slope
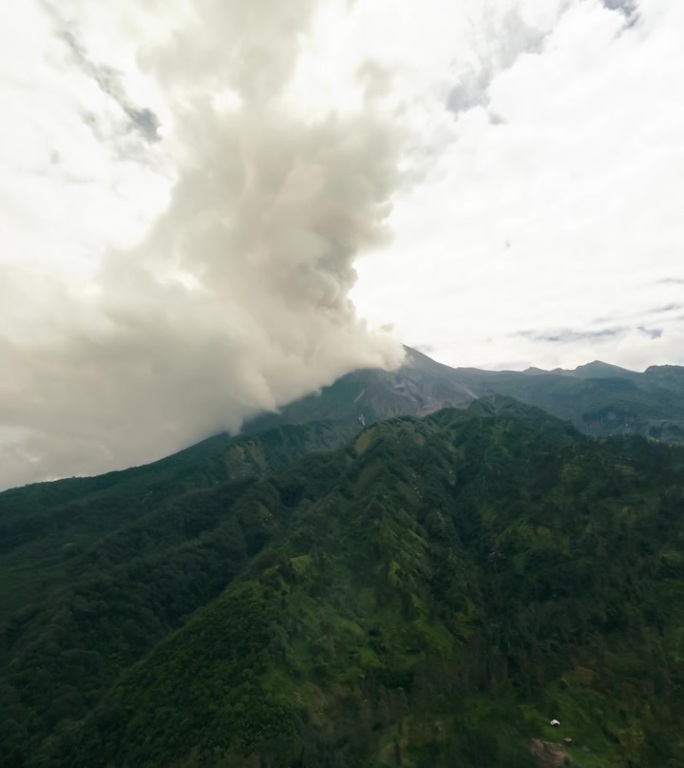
[421,386]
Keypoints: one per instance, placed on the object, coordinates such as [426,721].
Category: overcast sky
[212,207]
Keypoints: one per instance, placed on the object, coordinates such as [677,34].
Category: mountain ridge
[649,403]
[436,590]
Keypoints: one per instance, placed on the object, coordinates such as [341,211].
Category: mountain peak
[599,369]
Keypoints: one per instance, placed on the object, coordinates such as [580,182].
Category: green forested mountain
[432,593]
[43,526]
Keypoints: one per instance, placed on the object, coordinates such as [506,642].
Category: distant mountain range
[598,398]
[370,577]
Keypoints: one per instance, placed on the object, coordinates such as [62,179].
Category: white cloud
[556,203]
[66,186]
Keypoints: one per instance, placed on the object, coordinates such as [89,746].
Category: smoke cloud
[236,300]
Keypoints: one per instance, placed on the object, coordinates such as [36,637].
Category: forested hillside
[432,594]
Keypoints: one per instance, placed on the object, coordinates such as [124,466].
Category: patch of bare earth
[547,754]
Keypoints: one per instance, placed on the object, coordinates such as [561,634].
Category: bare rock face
[547,754]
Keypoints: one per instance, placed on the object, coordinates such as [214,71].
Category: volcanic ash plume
[237,299]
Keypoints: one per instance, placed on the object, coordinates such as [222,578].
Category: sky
[212,208]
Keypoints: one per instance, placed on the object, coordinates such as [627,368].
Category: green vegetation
[430,595]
